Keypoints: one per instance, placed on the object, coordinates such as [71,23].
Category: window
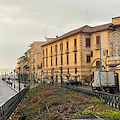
[97,40]
[46,52]
[67,45]
[61,46]
[75,58]
[51,61]
[43,53]
[46,62]
[56,60]
[51,49]
[97,63]
[68,70]
[75,42]
[43,63]
[91,53]
[88,58]
[87,42]
[61,60]
[67,59]
[55,48]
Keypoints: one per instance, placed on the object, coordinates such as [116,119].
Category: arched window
[97,63]
[61,46]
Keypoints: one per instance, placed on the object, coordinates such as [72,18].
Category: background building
[35,59]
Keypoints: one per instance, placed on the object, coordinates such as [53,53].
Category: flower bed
[49,102]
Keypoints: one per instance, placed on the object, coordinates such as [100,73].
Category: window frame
[88,58]
[88,42]
[75,58]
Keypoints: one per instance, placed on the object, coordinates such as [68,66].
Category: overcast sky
[25,21]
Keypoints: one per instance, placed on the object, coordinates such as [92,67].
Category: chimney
[116,21]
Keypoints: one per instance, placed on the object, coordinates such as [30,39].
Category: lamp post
[52,75]
[29,78]
[5,75]
[61,75]
[76,73]
[19,77]
[14,79]
[9,78]
[34,78]
[68,73]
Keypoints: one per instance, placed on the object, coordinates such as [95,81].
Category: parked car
[73,82]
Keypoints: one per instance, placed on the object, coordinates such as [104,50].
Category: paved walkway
[5,92]
[16,85]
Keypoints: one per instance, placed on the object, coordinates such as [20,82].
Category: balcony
[50,54]
[61,52]
[97,47]
[113,58]
[75,49]
[67,51]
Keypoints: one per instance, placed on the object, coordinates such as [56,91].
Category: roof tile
[84,29]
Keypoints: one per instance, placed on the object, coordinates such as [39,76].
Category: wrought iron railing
[110,99]
[8,107]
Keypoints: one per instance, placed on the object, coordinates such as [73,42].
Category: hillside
[50,102]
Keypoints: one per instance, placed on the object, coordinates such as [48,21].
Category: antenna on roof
[87,17]
[45,33]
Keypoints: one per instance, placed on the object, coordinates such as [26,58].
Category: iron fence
[110,99]
[8,107]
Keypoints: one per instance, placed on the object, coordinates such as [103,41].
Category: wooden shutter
[97,39]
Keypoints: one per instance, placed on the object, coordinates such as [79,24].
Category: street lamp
[34,78]
[9,78]
[19,77]
[29,78]
[5,75]
[14,79]
[76,73]
[52,76]
[61,75]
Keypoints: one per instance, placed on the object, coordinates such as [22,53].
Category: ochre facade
[78,52]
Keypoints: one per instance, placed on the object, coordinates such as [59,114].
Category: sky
[25,21]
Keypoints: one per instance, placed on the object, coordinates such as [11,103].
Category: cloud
[24,21]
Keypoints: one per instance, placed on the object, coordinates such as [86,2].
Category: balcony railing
[97,47]
[113,58]
[67,51]
[61,52]
[74,48]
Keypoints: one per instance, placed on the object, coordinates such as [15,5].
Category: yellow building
[78,52]
[35,58]
[20,64]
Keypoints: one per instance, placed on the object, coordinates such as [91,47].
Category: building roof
[84,29]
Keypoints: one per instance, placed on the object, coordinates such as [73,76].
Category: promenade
[8,90]
[5,92]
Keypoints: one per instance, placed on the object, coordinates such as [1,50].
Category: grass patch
[50,102]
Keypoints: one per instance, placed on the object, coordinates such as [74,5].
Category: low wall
[8,107]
